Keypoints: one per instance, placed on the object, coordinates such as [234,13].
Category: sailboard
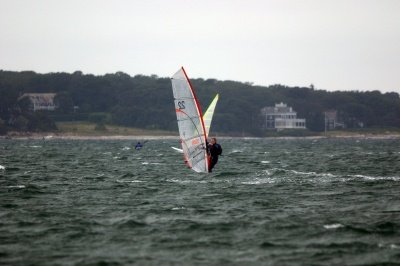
[207,118]
[208,115]
[192,131]
[177,149]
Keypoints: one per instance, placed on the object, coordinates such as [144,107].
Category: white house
[41,101]
[282,117]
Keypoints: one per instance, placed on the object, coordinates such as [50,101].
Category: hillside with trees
[147,102]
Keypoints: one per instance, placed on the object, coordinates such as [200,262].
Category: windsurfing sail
[192,131]
[208,115]
[207,118]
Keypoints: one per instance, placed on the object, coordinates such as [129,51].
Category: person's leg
[212,164]
[214,161]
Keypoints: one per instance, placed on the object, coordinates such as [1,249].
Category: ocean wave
[375,178]
[303,207]
[120,158]
[131,223]
[130,181]
[152,163]
[17,186]
[177,208]
[283,174]
[186,181]
[259,181]
[333,226]
[391,246]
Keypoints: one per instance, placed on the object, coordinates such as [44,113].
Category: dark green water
[268,202]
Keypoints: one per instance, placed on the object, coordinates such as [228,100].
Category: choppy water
[268,202]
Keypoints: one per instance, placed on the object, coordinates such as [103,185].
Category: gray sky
[333,44]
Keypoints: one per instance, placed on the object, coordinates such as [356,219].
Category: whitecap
[373,178]
[145,163]
[265,161]
[310,173]
[177,208]
[186,181]
[17,186]
[327,175]
[2,167]
[267,172]
[302,173]
[333,226]
[259,181]
[130,181]
[392,246]
[126,148]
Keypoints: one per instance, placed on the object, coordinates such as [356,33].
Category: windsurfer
[215,150]
[138,146]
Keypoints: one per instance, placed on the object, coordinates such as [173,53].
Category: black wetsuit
[215,150]
[138,146]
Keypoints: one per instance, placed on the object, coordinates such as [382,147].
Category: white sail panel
[208,115]
[190,123]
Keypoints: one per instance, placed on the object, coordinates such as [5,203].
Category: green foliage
[68,117]
[147,102]
[64,102]
[100,117]
[39,121]
[24,105]
[22,123]
[3,127]
[100,127]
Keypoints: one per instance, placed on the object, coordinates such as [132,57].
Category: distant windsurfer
[215,150]
[138,146]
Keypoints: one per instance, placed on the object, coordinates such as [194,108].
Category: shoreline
[58,136]
[61,136]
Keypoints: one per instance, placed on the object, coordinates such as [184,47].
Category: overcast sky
[333,44]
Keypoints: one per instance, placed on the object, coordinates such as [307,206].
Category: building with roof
[281,117]
[40,101]
[331,120]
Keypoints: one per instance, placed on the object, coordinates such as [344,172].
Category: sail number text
[181,105]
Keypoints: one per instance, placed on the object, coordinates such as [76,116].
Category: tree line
[147,102]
